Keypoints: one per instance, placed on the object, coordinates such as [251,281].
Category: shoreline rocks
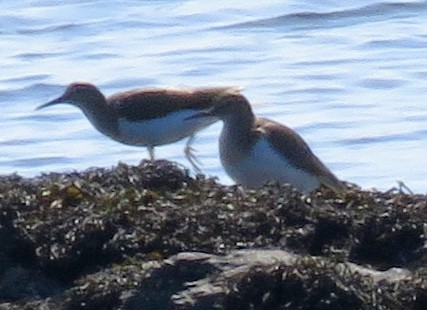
[153,237]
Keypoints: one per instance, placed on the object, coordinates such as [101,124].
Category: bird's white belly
[264,164]
[162,130]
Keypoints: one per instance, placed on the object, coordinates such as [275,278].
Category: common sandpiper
[255,150]
[146,117]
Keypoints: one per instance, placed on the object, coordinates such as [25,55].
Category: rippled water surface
[349,76]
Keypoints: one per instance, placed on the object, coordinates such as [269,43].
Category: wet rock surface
[152,237]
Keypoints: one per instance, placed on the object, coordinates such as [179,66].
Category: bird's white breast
[163,130]
[263,164]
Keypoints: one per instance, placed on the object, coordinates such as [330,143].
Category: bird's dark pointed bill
[50,103]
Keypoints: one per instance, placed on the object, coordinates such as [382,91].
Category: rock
[276,272]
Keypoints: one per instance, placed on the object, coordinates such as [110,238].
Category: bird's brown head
[77,94]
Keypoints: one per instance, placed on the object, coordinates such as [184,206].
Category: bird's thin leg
[151,152]
[189,154]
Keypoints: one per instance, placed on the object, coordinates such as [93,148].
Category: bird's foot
[191,157]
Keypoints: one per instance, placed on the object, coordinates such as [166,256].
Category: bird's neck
[101,115]
[237,134]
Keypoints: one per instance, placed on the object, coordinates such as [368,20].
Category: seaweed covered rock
[122,238]
[270,279]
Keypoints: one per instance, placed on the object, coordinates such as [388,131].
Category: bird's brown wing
[292,146]
[153,103]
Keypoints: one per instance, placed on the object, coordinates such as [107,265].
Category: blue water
[349,76]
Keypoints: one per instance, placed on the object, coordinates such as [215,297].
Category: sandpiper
[254,150]
[146,117]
